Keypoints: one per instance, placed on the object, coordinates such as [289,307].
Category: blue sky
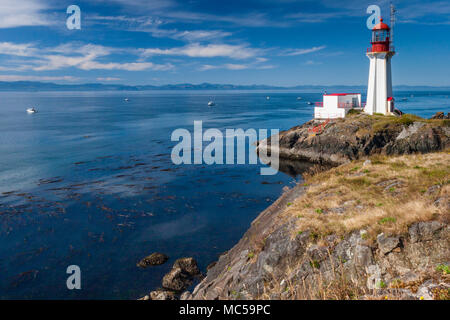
[283,42]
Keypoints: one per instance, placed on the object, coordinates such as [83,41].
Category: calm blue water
[89,181]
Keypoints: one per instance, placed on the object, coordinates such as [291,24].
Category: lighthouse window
[379,36]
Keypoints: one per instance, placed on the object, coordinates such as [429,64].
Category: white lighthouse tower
[379,89]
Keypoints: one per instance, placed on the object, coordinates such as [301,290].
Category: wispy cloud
[312,63]
[17,49]
[83,57]
[22,13]
[229,66]
[297,52]
[196,35]
[156,26]
[408,11]
[252,19]
[108,79]
[196,50]
[36,78]
[257,64]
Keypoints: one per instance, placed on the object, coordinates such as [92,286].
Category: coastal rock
[181,275]
[440,115]
[186,295]
[374,277]
[187,266]
[387,244]
[363,256]
[162,294]
[175,280]
[153,260]
[212,264]
[409,131]
[424,231]
[358,136]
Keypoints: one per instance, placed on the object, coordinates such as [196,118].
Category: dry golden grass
[378,122]
[385,196]
[340,288]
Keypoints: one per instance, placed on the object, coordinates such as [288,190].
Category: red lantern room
[381,37]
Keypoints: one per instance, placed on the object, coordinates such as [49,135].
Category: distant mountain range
[47,86]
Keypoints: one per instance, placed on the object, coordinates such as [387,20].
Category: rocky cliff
[370,229]
[339,141]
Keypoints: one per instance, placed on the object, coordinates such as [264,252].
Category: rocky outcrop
[268,262]
[181,276]
[187,266]
[342,140]
[440,115]
[154,259]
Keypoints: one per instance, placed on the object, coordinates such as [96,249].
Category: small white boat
[310,103]
[126,99]
[31,110]
[211,104]
[299,98]
[267,98]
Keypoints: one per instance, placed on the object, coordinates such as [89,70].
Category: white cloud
[312,63]
[153,26]
[36,78]
[84,57]
[206,67]
[249,20]
[196,50]
[229,66]
[108,79]
[232,66]
[410,11]
[196,35]
[19,13]
[297,52]
[16,49]
[133,66]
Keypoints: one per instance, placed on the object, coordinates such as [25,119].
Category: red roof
[340,94]
[381,26]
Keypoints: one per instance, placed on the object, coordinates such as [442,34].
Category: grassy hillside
[384,194]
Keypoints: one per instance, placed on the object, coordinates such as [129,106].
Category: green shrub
[387,220]
[354,111]
[445,269]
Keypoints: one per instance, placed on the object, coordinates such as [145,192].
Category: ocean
[89,181]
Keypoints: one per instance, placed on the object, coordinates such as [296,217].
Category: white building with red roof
[336,105]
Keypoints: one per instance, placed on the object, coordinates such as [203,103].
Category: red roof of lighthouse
[381,26]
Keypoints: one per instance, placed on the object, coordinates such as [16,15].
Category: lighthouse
[379,90]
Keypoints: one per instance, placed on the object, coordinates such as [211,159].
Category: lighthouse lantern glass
[380,35]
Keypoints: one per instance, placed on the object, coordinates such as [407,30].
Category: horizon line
[209,83]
